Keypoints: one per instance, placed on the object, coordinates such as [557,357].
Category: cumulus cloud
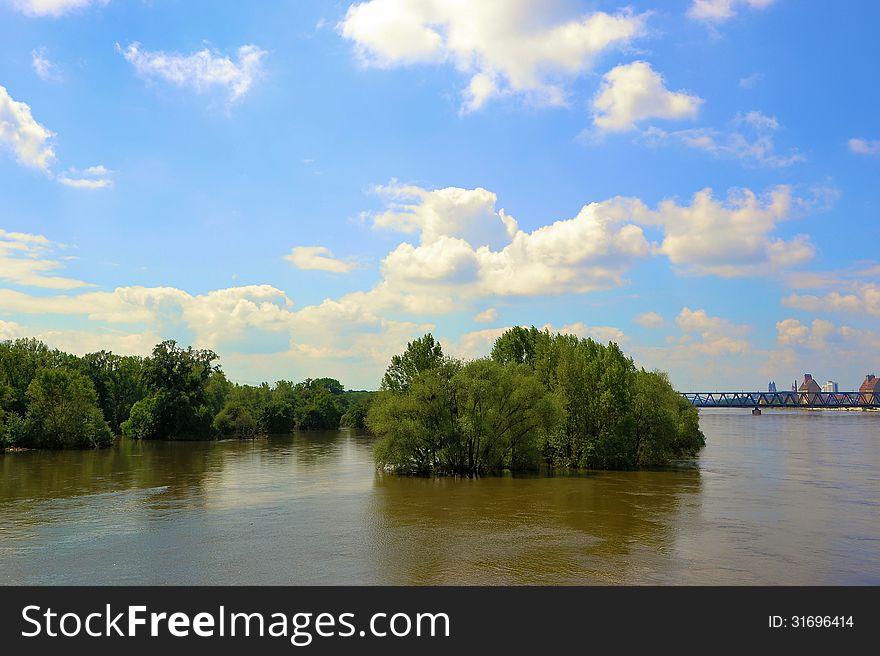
[523,47]
[53,8]
[467,214]
[318,258]
[823,335]
[864,146]
[29,141]
[717,335]
[26,259]
[649,319]
[863,299]
[635,92]
[31,144]
[731,238]
[199,71]
[590,251]
[749,137]
[719,11]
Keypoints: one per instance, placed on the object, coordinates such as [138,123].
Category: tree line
[52,399]
[538,399]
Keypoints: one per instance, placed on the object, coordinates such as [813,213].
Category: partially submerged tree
[541,398]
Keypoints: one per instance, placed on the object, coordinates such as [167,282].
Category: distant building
[772,386]
[870,389]
[830,386]
[811,389]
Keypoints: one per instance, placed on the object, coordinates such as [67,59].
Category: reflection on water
[789,497]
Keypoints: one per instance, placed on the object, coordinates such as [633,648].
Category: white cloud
[864,299]
[93,177]
[486,316]
[635,92]
[53,8]
[11,330]
[864,146]
[601,334]
[467,214]
[588,252]
[201,70]
[717,336]
[318,258]
[28,140]
[523,47]
[43,66]
[823,335]
[25,259]
[728,239]
[718,11]
[749,138]
[649,320]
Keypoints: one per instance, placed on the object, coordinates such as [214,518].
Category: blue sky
[306,186]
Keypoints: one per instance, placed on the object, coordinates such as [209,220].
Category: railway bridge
[761,400]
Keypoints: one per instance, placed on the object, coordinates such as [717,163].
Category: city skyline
[306,187]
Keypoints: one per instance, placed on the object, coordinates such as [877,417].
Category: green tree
[236,420]
[187,390]
[420,355]
[557,399]
[464,419]
[63,412]
[118,382]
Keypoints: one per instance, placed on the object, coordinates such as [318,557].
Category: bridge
[760,400]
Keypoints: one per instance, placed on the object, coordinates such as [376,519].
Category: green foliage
[186,391]
[20,362]
[421,355]
[118,383]
[541,398]
[175,393]
[464,419]
[237,420]
[63,412]
[359,404]
[320,404]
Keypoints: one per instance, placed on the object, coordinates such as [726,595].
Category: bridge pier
[756,411]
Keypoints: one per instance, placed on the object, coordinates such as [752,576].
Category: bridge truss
[782,399]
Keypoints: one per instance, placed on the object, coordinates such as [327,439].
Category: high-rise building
[772,386]
[830,386]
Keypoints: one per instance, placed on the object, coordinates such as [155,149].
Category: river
[790,497]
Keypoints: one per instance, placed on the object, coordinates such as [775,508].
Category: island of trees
[539,399]
[52,399]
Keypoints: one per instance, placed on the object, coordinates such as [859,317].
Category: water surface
[791,497]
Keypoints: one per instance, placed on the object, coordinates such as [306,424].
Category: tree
[187,390]
[541,398]
[236,420]
[420,355]
[118,383]
[463,419]
[63,412]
